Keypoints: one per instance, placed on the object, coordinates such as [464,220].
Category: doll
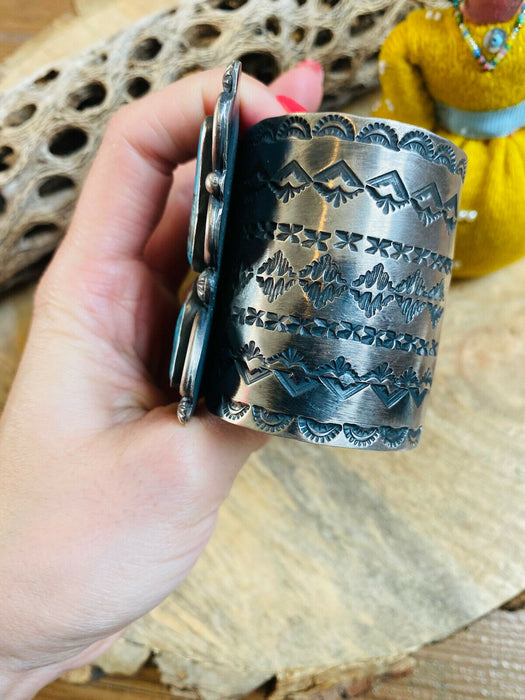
[460,73]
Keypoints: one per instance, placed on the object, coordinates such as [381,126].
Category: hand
[106,501]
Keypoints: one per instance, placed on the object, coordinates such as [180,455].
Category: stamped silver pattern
[340,254]
[337,259]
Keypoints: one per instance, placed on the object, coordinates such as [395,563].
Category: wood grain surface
[20,21]
[329,567]
[486,660]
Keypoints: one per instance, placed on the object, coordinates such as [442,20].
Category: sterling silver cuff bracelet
[324,264]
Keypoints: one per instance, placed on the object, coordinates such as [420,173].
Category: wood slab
[328,563]
[486,660]
[92,21]
[21,21]
[327,558]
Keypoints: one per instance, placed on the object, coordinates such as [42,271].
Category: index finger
[126,190]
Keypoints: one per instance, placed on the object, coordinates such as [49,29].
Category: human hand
[106,501]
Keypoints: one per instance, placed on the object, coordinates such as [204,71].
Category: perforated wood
[51,124]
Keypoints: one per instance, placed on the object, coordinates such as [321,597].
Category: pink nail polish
[289,105]
[311,65]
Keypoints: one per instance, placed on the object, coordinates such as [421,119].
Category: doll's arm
[405,96]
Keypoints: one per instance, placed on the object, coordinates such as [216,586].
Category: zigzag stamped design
[275,276]
[374,290]
[322,282]
[337,376]
[338,184]
[341,330]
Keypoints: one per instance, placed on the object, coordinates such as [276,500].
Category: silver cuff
[329,300]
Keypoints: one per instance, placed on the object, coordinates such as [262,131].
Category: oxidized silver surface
[336,264]
[211,197]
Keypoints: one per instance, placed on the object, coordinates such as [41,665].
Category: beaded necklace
[496,40]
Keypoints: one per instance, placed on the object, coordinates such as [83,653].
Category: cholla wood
[51,124]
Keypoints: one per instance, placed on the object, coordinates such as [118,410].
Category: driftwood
[330,565]
[52,122]
[485,660]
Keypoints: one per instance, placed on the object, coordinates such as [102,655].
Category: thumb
[199,460]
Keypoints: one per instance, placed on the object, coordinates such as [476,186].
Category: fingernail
[290,105]
[311,65]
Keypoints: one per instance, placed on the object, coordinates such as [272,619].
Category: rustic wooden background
[486,660]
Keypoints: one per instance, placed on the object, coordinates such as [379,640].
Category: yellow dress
[425,61]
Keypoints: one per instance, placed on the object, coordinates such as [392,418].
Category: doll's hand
[105,500]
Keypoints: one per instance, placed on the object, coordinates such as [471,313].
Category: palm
[131,328]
